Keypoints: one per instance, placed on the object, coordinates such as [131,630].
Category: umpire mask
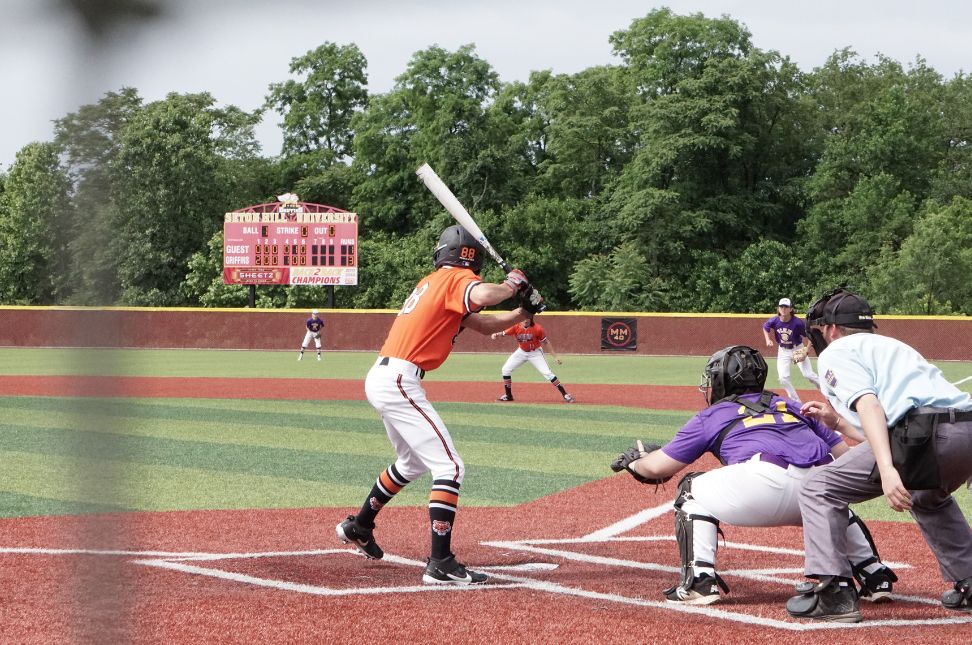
[838,307]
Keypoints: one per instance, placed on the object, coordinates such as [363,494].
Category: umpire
[918,452]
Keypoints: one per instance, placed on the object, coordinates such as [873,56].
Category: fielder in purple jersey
[314,326]
[788,332]
[766,447]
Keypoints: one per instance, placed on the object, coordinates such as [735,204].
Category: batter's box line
[179,564]
[708,611]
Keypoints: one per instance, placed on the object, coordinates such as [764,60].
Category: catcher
[766,447]
[314,326]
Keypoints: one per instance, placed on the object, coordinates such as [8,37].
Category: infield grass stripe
[139,486]
[316,432]
[17,505]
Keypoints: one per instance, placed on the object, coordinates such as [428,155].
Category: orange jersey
[528,338]
[426,327]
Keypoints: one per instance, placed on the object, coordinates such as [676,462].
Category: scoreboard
[290,246]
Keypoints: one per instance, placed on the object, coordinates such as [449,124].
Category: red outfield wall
[940,338]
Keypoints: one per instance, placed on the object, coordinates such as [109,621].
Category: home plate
[528,566]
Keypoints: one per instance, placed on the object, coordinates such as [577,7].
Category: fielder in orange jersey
[530,336]
[442,304]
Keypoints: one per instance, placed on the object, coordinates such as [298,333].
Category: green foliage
[755,280]
[931,271]
[619,281]
[170,190]
[318,110]
[669,181]
[35,226]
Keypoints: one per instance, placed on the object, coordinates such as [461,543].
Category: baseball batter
[878,383]
[788,332]
[767,447]
[314,326]
[442,304]
[530,338]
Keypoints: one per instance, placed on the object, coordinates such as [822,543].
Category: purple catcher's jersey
[314,324]
[798,440]
[788,334]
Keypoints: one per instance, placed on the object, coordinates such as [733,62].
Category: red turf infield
[602,590]
[664,397]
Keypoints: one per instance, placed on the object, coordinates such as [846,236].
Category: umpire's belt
[783,463]
[942,415]
[404,366]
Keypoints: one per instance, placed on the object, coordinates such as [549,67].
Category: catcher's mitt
[634,453]
[800,354]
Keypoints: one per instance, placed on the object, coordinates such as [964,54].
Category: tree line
[700,174]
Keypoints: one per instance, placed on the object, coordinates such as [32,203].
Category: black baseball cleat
[876,587]
[505,397]
[350,532]
[959,597]
[704,590]
[450,572]
[833,599]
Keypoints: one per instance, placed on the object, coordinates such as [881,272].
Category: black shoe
[505,397]
[876,587]
[833,599]
[704,591]
[350,532]
[450,572]
[959,598]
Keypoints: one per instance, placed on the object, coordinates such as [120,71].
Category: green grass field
[68,455]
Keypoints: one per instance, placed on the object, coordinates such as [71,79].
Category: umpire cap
[843,308]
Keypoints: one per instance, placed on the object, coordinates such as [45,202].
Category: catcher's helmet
[736,369]
[458,248]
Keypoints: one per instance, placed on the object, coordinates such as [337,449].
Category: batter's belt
[405,366]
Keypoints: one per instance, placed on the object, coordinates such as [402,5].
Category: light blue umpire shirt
[894,372]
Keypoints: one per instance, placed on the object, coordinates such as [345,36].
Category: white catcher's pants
[535,358]
[784,359]
[754,493]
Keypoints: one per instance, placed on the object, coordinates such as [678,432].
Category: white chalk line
[178,561]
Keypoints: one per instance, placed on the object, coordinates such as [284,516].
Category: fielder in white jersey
[767,448]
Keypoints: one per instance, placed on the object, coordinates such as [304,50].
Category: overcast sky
[235,48]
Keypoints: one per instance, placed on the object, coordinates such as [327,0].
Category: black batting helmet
[736,369]
[458,248]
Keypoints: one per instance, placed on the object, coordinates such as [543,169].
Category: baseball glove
[800,354]
[634,453]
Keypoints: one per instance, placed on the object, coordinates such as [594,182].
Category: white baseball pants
[535,358]
[420,438]
[308,337]
[754,493]
[784,360]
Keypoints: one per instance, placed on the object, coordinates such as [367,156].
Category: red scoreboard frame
[293,243]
